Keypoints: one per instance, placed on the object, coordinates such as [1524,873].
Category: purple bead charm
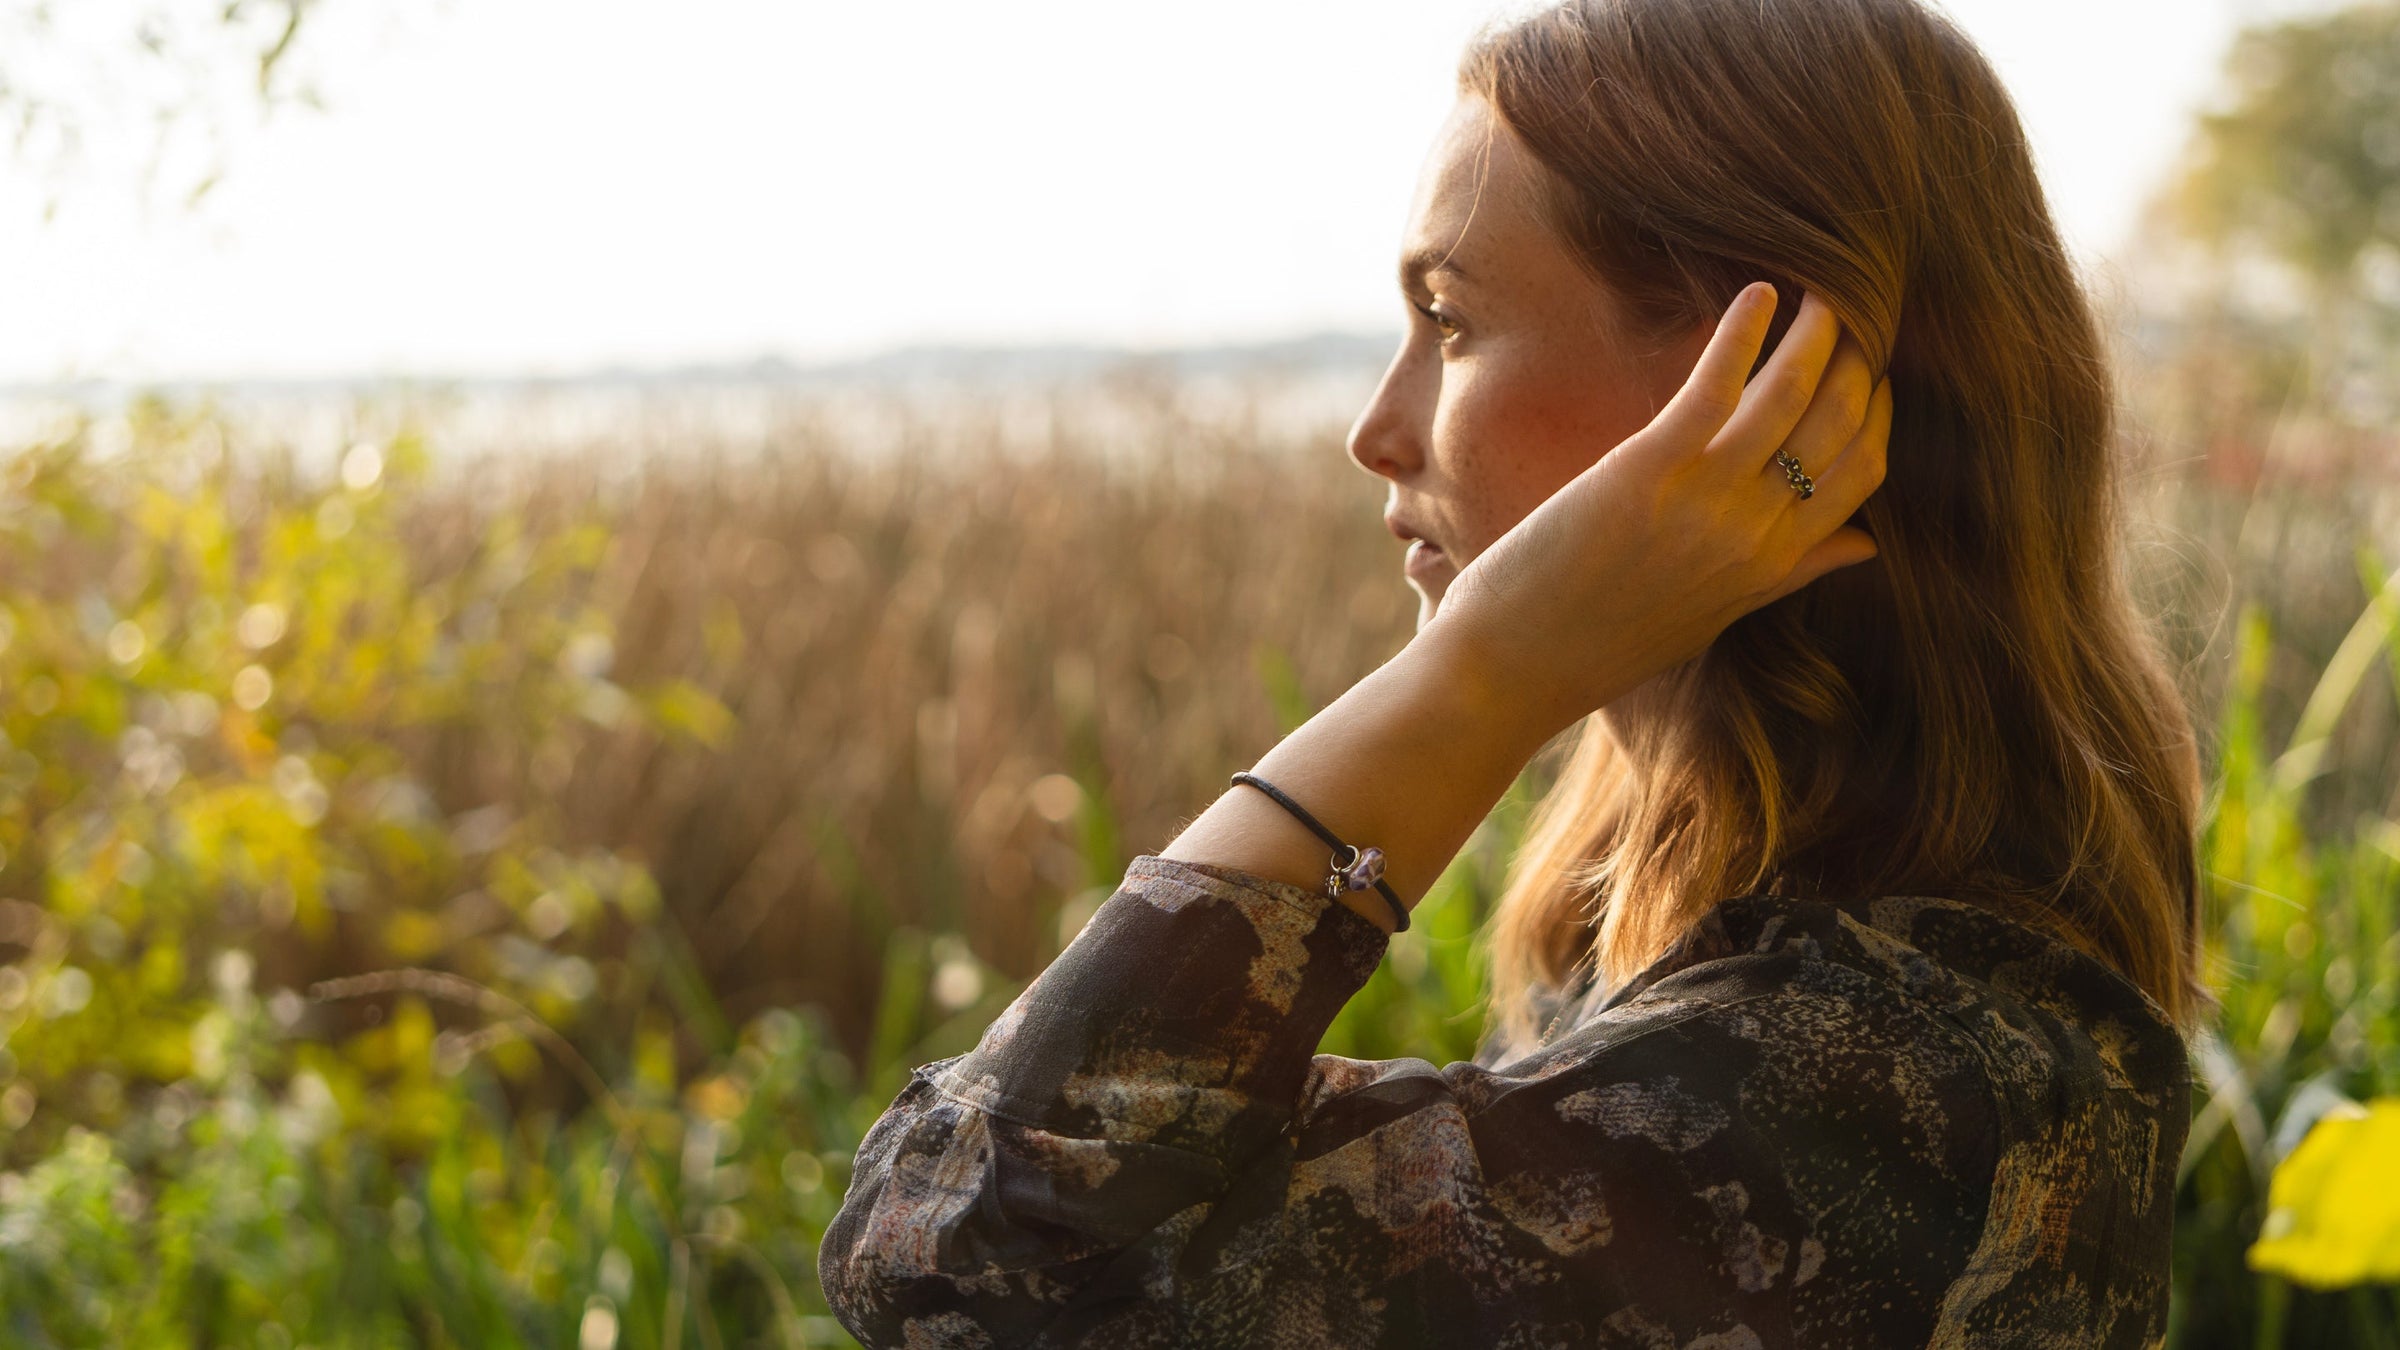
[1365,869]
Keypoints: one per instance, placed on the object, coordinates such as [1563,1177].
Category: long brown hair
[1978,713]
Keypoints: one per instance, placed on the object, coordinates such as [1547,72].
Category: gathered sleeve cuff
[1183,1016]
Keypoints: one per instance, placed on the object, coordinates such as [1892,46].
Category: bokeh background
[582,586]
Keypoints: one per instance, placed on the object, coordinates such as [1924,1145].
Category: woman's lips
[1426,562]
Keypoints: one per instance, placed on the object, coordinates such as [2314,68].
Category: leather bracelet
[1364,867]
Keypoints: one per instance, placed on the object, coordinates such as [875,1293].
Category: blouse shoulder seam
[1645,1033]
[1947,1022]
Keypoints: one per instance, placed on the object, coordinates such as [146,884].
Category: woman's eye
[1442,321]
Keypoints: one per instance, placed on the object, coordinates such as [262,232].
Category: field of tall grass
[481,901]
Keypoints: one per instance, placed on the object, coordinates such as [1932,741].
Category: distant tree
[2272,253]
[2304,160]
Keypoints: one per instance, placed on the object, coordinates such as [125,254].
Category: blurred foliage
[214,677]
[2304,924]
[325,1018]
[2305,159]
[370,833]
[2269,265]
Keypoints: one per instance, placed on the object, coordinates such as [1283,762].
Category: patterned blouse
[1900,1121]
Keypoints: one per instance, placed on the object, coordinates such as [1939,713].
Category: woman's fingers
[1843,487]
[1834,415]
[1815,398]
[1782,394]
[1852,476]
[1713,391]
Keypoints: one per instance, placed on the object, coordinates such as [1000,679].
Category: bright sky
[518,186]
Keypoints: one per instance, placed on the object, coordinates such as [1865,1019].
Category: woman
[1842,976]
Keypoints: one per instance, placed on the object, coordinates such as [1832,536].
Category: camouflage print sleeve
[1144,1151]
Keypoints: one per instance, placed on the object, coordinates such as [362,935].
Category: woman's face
[1513,377]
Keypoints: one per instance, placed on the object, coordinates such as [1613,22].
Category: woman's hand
[1634,565]
[1638,562]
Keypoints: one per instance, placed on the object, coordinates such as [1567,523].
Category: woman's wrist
[1409,760]
[1477,685]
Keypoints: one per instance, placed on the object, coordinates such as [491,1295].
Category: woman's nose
[1388,439]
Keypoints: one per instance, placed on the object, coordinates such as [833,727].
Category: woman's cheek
[1527,437]
[1471,426]
[1475,463]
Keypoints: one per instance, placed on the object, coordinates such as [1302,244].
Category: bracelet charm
[1364,869]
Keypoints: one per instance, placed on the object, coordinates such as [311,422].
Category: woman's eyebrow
[1419,263]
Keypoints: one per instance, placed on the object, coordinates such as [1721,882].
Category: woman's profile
[1751,420]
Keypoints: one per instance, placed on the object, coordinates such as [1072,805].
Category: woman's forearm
[1410,760]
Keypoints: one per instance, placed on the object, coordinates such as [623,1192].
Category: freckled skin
[1479,420]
